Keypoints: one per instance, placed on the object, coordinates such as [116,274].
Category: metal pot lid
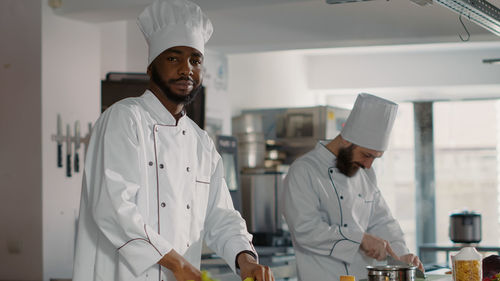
[381,269]
[464,213]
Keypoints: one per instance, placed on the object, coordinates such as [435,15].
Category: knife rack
[71,142]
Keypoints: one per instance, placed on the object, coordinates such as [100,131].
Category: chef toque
[170,23]
[370,123]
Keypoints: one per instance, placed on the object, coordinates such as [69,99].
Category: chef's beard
[165,88]
[344,161]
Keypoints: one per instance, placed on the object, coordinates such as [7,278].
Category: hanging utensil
[58,139]
[77,146]
[68,151]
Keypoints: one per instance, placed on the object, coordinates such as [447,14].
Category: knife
[59,141]
[68,151]
[392,261]
[77,146]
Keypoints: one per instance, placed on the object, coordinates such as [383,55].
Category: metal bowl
[391,273]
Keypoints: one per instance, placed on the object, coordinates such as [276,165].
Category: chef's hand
[375,247]
[250,268]
[408,258]
[413,260]
[180,267]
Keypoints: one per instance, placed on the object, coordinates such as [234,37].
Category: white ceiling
[243,26]
[265,25]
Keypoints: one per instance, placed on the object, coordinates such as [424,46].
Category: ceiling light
[491,61]
[481,12]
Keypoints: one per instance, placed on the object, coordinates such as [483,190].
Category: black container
[465,227]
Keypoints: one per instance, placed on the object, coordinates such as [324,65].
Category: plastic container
[467,265]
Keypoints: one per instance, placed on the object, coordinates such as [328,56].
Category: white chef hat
[170,23]
[370,123]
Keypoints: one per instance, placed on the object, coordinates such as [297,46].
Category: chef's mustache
[181,79]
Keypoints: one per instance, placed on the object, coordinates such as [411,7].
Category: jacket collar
[324,154]
[157,108]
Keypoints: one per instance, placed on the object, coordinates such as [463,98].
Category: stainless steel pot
[391,273]
[465,227]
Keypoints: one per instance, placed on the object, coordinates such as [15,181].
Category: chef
[336,214]
[154,188]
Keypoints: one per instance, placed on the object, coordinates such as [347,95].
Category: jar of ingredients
[467,265]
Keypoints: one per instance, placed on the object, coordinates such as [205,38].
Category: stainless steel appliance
[465,227]
[251,142]
[297,130]
[227,147]
[260,206]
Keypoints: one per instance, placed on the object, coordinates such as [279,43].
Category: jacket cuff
[244,252]
[234,247]
[345,249]
[142,253]
[351,234]
[399,248]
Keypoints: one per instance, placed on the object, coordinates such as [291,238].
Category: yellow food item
[347,278]
[467,270]
[248,279]
[205,276]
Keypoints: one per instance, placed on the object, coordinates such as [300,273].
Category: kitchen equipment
[247,123]
[260,205]
[393,261]
[59,141]
[467,265]
[77,146]
[465,227]
[391,273]
[251,142]
[298,129]
[227,147]
[68,151]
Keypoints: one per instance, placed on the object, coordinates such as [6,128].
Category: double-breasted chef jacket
[151,185]
[328,213]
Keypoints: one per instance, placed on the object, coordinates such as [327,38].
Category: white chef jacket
[328,213]
[151,186]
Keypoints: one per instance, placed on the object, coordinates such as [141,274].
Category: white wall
[71,87]
[266,80]
[431,65]
[217,104]
[335,76]
[114,51]
[137,49]
[20,149]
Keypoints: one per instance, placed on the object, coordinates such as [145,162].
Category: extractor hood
[481,12]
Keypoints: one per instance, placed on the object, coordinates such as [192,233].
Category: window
[466,165]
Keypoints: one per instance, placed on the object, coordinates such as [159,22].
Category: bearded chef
[337,216]
[154,187]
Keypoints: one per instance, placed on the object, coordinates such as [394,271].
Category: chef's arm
[225,229]
[180,267]
[384,225]
[112,180]
[249,267]
[308,224]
